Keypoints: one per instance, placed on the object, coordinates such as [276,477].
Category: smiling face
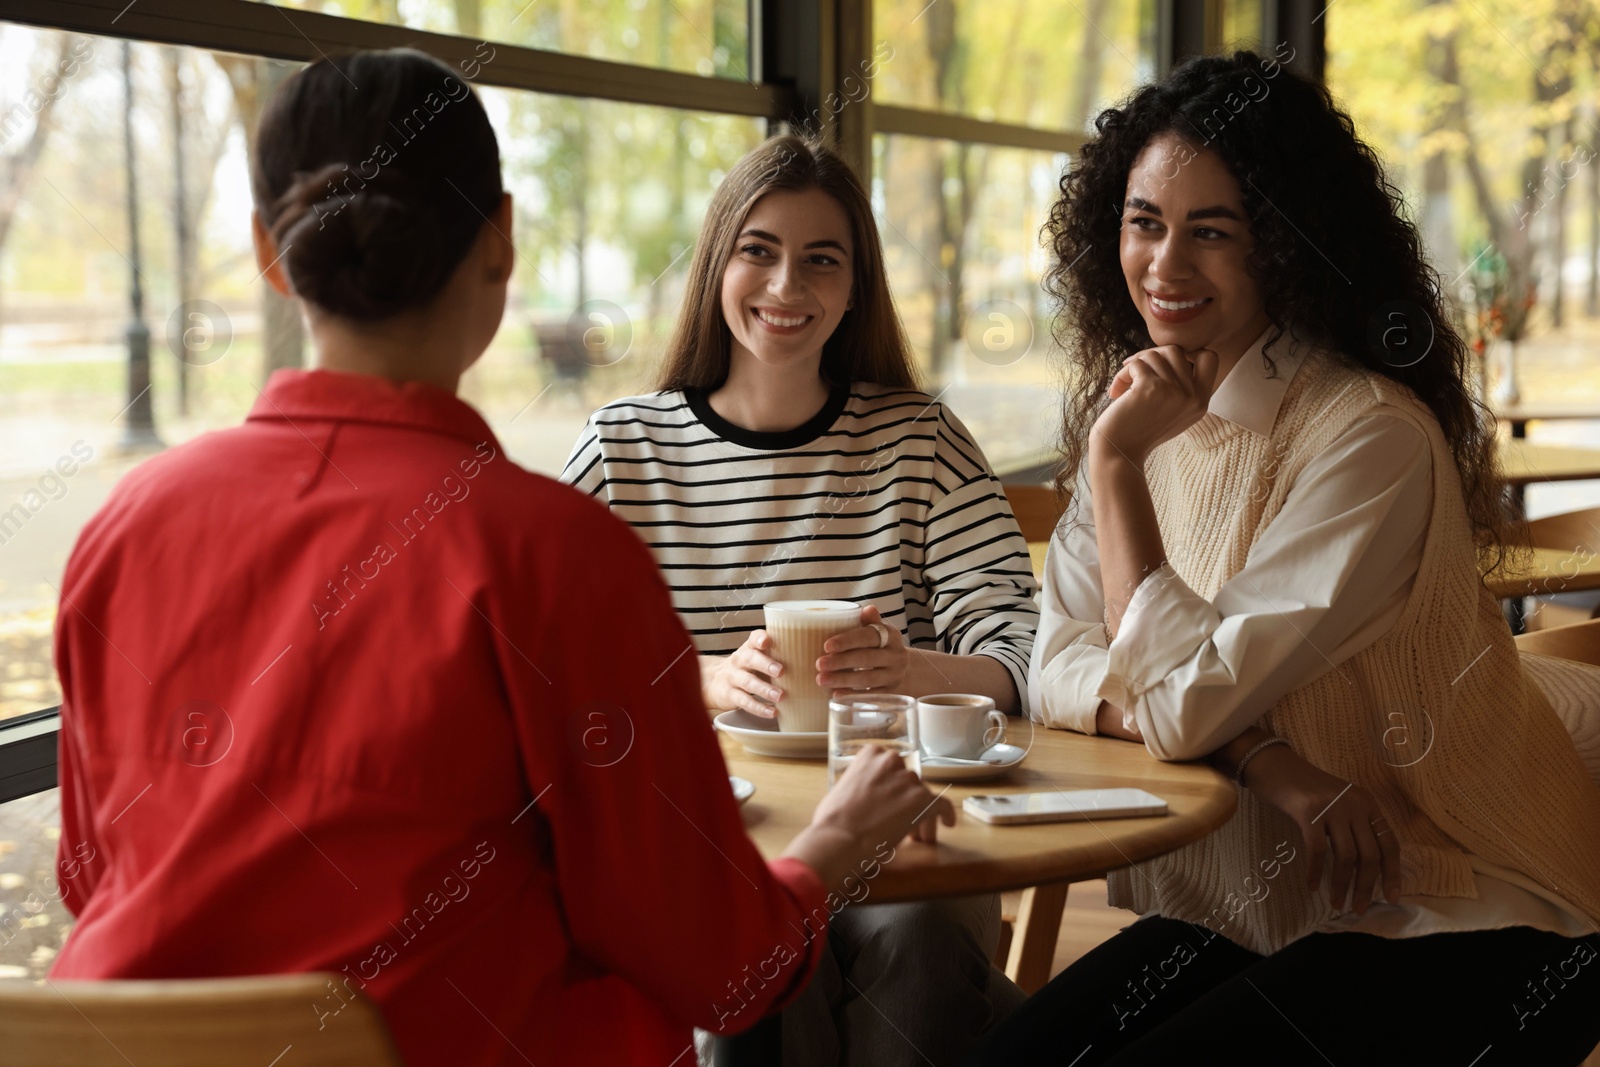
[1185,241]
[787,283]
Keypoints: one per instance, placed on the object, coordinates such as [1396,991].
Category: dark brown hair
[869,344]
[1336,256]
[374,194]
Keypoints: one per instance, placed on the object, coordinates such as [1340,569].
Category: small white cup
[959,725]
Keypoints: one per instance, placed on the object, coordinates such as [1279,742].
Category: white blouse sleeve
[1069,651]
[1329,576]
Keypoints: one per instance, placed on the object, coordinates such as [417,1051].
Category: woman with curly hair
[1284,497]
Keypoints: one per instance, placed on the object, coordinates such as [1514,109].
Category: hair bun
[367,253]
[375,196]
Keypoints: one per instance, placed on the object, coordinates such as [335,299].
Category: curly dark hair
[1336,256]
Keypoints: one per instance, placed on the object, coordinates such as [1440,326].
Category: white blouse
[1328,577]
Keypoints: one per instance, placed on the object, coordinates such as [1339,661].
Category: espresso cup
[959,725]
[798,629]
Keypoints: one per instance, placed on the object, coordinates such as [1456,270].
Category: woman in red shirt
[345,689]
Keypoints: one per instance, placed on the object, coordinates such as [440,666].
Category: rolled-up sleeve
[1328,576]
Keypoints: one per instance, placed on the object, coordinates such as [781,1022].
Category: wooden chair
[1580,641]
[1574,692]
[192,1023]
[1037,508]
[1570,532]
[1577,532]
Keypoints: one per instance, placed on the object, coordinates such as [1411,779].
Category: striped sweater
[881,498]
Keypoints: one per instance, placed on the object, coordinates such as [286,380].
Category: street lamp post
[139,428]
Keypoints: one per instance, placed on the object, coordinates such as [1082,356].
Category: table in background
[1546,572]
[1519,415]
[1523,464]
[975,857]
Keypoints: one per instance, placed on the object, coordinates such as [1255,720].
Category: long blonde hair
[869,344]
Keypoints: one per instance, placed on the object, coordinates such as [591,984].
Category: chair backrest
[1568,532]
[192,1023]
[1038,509]
[1564,662]
[1580,641]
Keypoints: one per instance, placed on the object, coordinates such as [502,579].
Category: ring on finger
[883,634]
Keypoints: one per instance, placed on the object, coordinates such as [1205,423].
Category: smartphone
[1003,809]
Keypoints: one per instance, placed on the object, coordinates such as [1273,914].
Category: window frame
[801,52]
[28,746]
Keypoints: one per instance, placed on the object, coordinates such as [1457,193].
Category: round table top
[975,857]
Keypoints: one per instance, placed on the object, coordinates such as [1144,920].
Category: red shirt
[345,689]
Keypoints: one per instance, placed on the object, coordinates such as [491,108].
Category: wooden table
[1519,415]
[1549,571]
[1524,464]
[974,857]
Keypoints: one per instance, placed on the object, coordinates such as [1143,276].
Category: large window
[1045,65]
[609,198]
[976,118]
[705,37]
[1487,116]
[976,110]
[961,225]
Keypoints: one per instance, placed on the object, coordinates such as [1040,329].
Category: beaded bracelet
[1238,774]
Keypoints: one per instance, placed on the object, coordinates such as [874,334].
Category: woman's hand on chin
[1158,394]
[745,680]
[874,656]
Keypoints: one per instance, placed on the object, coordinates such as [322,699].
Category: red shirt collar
[326,395]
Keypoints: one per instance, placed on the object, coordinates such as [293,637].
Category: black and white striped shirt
[881,498]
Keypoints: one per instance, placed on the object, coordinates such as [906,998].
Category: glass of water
[862,719]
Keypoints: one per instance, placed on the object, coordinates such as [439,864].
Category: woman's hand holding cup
[873,656]
[746,680]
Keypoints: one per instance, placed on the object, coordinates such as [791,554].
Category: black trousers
[1168,992]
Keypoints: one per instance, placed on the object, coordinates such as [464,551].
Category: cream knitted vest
[1435,719]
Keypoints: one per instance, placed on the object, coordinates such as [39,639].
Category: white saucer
[763,737]
[743,788]
[997,760]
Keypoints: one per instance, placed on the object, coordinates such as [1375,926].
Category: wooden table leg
[1033,945]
